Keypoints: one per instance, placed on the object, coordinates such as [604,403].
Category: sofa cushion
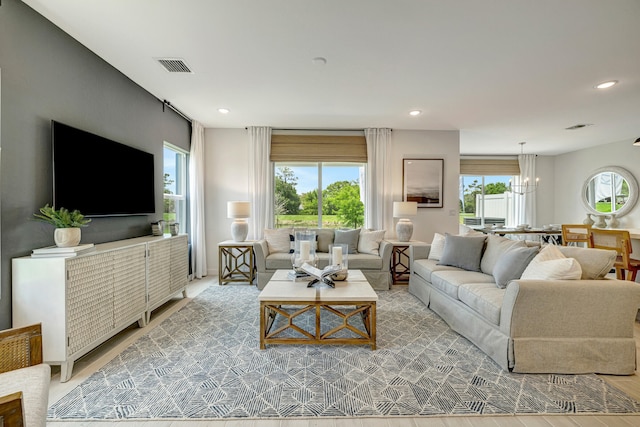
[33,382]
[350,237]
[369,241]
[512,264]
[551,264]
[278,240]
[595,263]
[425,267]
[496,247]
[437,247]
[365,262]
[483,298]
[448,281]
[278,260]
[463,251]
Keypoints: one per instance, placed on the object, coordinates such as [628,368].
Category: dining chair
[620,241]
[575,233]
[24,379]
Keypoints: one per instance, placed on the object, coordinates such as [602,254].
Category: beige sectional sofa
[534,325]
[373,255]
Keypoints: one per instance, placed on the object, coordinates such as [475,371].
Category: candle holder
[304,250]
[339,256]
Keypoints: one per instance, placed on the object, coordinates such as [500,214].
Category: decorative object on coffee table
[339,256]
[304,250]
[67,223]
[239,212]
[403,210]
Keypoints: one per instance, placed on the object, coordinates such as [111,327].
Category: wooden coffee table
[282,296]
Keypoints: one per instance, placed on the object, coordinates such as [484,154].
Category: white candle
[305,250]
[337,255]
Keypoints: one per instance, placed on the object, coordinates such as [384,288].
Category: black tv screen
[98,176]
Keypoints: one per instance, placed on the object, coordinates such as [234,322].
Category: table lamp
[402,210]
[239,211]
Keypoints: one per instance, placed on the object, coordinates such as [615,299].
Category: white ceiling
[500,71]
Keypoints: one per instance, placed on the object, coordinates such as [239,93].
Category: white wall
[573,168]
[227,151]
[429,145]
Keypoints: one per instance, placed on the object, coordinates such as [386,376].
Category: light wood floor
[100,356]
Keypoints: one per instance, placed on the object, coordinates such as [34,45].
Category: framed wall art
[422,182]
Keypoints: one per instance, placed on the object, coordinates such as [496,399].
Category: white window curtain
[378,190]
[525,204]
[196,202]
[260,181]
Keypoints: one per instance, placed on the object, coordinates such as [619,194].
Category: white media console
[84,300]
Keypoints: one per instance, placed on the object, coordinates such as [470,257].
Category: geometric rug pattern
[204,362]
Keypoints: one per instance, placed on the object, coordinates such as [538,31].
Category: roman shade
[318,148]
[489,167]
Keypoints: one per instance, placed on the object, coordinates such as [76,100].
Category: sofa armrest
[419,252]
[261,251]
[386,248]
[570,308]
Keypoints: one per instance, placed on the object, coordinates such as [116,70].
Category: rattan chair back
[20,347]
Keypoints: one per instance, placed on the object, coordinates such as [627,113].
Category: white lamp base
[404,229]
[239,230]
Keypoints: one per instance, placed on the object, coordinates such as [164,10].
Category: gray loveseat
[536,326]
[374,266]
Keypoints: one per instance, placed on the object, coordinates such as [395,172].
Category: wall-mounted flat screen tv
[98,176]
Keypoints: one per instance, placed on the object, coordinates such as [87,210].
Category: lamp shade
[405,209]
[238,209]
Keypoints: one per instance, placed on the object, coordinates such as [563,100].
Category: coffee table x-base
[354,297]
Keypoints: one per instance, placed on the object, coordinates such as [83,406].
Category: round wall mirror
[610,190]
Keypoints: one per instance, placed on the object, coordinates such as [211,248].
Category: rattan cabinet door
[159,271]
[179,263]
[130,289]
[89,300]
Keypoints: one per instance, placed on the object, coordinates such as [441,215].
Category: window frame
[181,184]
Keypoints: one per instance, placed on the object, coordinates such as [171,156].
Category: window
[175,186]
[485,200]
[485,192]
[318,194]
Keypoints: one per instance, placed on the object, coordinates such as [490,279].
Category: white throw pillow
[551,264]
[278,239]
[437,247]
[369,241]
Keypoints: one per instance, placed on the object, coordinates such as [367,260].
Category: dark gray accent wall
[46,74]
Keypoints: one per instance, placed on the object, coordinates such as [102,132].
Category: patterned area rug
[204,362]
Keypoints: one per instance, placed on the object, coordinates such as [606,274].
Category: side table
[400,262]
[236,262]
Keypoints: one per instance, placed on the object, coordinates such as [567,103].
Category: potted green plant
[67,223]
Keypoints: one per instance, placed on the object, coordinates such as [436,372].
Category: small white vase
[67,237]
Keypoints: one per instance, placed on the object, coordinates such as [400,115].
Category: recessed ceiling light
[415,112]
[607,84]
[223,110]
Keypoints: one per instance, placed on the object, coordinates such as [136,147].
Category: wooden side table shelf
[400,263]
[236,262]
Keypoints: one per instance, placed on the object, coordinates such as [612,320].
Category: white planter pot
[67,237]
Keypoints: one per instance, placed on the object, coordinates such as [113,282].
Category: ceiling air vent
[579,126]
[174,65]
